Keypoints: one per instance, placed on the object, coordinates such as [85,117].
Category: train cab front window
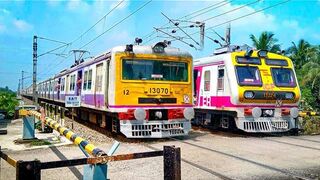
[283,77]
[248,76]
[154,70]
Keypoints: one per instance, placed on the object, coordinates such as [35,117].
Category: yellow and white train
[254,91]
[140,91]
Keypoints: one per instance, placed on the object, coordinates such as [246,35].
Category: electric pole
[202,29]
[22,78]
[34,79]
[228,35]
[18,91]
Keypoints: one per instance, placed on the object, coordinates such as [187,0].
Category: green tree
[8,100]
[266,41]
[302,53]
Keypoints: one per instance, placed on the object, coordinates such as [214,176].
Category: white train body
[251,93]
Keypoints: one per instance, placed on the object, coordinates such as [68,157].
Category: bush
[311,125]
[8,101]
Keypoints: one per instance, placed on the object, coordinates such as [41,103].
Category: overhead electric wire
[69,44]
[180,29]
[115,7]
[52,40]
[209,10]
[116,24]
[243,16]
[232,10]
[60,62]
[203,9]
[153,32]
[48,52]
[175,38]
[249,14]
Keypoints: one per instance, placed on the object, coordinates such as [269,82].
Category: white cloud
[22,25]
[4,11]
[293,30]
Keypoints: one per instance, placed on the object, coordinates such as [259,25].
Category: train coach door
[79,83]
[67,86]
[207,86]
[59,88]
[98,86]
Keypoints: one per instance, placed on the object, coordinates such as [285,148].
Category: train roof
[137,49]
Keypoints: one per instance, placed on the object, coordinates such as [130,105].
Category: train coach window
[72,82]
[85,80]
[248,76]
[248,60]
[206,81]
[89,79]
[283,77]
[220,79]
[157,70]
[62,84]
[277,62]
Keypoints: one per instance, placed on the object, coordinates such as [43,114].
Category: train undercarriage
[109,123]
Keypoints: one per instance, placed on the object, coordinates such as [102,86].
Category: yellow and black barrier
[90,148]
[8,158]
[308,113]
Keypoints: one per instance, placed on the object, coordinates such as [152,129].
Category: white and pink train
[254,91]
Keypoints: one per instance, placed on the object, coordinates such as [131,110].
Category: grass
[40,142]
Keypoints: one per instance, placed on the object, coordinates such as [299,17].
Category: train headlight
[289,95]
[159,47]
[188,113]
[256,112]
[140,114]
[268,113]
[158,114]
[248,94]
[294,112]
[263,53]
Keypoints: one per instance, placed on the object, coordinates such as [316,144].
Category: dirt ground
[205,155]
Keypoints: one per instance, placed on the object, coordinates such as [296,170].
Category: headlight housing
[188,113]
[294,112]
[140,114]
[248,94]
[256,112]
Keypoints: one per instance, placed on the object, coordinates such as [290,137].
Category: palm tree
[266,41]
[302,53]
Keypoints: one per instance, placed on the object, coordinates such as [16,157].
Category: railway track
[260,164]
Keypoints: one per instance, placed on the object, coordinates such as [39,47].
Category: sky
[70,22]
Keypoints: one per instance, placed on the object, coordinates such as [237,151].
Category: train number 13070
[164,91]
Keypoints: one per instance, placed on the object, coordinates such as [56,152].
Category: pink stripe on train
[225,101]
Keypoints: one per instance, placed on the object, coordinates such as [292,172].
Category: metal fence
[32,169]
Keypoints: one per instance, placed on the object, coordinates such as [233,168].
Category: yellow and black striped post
[90,148]
[308,113]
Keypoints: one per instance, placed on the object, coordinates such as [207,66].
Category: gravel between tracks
[90,135]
